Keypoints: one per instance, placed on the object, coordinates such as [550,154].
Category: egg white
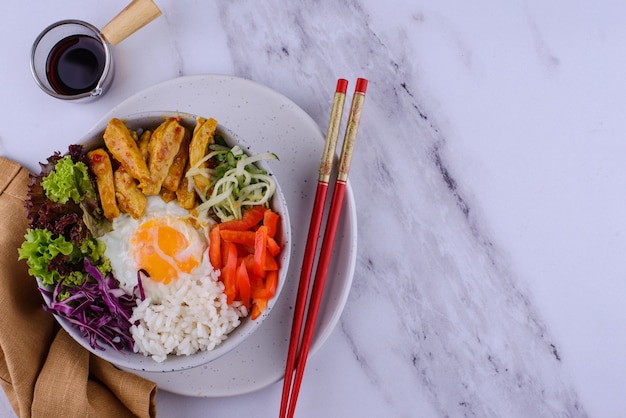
[120,250]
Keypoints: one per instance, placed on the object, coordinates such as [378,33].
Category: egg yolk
[162,250]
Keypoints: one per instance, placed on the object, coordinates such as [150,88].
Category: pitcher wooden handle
[134,16]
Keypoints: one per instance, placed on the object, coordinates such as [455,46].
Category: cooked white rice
[192,315]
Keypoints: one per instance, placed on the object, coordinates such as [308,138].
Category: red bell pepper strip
[270,220]
[266,290]
[243,284]
[244,250]
[250,218]
[258,307]
[271,283]
[272,246]
[257,284]
[215,243]
[260,249]
[229,272]
[270,263]
[249,261]
[238,237]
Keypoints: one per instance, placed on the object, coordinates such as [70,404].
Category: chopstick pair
[299,350]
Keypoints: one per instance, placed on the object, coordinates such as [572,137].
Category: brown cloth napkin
[43,371]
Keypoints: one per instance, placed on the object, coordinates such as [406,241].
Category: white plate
[267,121]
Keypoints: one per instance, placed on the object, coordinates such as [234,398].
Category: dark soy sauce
[75,64]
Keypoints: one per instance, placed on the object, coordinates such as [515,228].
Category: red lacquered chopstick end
[342,86]
[361,85]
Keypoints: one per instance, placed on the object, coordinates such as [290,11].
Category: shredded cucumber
[236,182]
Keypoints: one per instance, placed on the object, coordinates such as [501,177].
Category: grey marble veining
[467,332]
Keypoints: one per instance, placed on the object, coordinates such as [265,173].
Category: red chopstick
[326,250]
[326,166]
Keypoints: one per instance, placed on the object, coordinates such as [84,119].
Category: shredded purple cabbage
[99,308]
[142,294]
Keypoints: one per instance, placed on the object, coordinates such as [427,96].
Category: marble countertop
[488,178]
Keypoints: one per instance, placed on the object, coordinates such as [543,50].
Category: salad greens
[41,249]
[61,198]
[69,180]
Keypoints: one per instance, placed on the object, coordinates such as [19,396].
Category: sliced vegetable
[258,307]
[98,308]
[248,259]
[215,244]
[265,288]
[270,263]
[251,217]
[256,276]
[260,250]
[236,183]
[270,220]
[272,246]
[243,284]
[229,270]
[238,237]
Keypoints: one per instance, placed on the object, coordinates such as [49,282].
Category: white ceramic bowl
[139,362]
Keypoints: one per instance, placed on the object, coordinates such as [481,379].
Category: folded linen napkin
[43,371]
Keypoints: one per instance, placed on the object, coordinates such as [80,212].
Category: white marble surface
[488,177]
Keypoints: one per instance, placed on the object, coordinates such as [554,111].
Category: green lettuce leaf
[69,180]
[38,249]
[43,251]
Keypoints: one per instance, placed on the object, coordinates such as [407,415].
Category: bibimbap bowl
[156,272]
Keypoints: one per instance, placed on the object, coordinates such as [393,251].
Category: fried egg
[165,242]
